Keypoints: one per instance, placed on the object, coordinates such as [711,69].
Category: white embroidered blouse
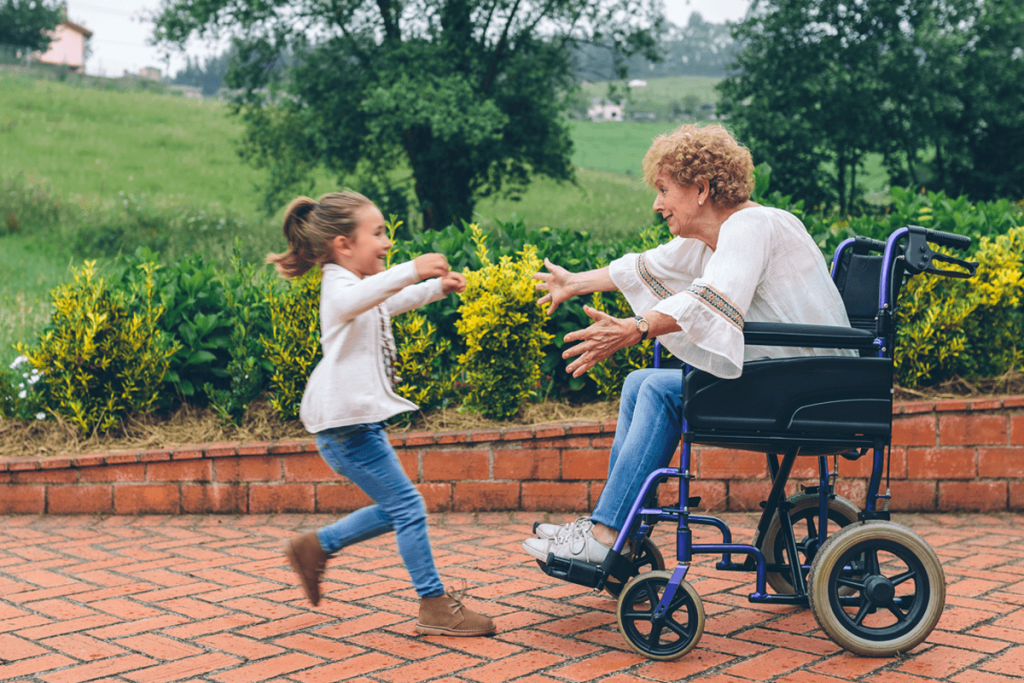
[766,268]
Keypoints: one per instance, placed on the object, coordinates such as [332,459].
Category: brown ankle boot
[308,560]
[445,615]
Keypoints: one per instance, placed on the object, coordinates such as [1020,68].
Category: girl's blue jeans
[364,455]
[647,434]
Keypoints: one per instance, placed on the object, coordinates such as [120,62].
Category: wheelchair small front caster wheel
[806,530]
[672,635]
[877,589]
[648,558]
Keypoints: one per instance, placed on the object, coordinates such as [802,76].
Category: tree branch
[499,48]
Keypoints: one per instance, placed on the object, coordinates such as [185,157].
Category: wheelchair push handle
[948,239]
[920,258]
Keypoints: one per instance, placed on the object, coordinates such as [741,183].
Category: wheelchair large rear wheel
[647,558]
[669,637]
[877,589]
[806,530]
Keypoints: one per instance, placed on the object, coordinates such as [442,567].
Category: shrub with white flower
[22,391]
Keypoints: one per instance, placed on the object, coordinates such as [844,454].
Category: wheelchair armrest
[816,336]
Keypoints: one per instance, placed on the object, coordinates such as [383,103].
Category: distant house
[67,47]
[604,110]
[638,83]
[150,73]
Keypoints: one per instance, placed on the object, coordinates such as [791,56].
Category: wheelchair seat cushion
[839,396]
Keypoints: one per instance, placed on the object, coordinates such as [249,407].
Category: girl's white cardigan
[351,385]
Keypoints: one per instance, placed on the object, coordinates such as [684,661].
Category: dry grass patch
[189,425]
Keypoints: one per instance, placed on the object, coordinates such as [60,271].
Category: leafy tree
[932,85]
[986,161]
[807,96]
[26,24]
[467,94]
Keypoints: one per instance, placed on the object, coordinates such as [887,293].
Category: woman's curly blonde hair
[691,154]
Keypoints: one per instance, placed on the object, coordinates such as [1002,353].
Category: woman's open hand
[556,283]
[599,341]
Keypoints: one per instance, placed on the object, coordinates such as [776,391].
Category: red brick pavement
[210,598]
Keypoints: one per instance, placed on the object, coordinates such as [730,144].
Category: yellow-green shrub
[971,328]
[610,373]
[503,329]
[420,361]
[293,346]
[103,355]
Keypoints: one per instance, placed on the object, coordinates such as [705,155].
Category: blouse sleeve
[712,308]
[659,273]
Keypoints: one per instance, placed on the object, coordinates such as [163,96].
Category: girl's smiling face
[364,251]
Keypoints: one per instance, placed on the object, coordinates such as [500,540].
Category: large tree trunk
[444,175]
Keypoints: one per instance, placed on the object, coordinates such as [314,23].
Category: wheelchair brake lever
[971,266]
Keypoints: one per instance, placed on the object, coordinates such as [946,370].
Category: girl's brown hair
[309,226]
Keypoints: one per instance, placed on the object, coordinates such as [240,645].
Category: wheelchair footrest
[587,573]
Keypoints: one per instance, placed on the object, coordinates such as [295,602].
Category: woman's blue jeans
[646,436]
[365,456]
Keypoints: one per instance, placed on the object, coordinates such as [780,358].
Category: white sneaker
[550,532]
[578,543]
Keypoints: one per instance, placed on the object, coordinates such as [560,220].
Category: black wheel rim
[889,589]
[644,560]
[673,633]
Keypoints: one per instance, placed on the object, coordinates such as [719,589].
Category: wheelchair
[875,587]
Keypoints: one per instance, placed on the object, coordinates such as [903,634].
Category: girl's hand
[599,341]
[556,282]
[453,282]
[431,265]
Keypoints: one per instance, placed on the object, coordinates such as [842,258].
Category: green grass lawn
[615,146]
[25,292]
[661,91]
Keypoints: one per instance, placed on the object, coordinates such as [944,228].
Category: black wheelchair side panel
[823,396]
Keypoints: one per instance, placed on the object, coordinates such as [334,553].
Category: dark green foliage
[468,94]
[25,24]
[216,315]
[933,87]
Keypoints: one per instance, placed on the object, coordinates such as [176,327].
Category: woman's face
[677,204]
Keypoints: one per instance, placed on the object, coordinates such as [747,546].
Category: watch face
[643,326]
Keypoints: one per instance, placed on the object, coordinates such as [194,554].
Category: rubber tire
[840,511]
[821,587]
[657,580]
[650,555]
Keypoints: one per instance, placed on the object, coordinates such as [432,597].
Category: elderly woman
[731,260]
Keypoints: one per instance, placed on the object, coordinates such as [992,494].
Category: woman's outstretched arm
[561,285]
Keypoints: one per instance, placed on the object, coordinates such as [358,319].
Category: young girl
[351,392]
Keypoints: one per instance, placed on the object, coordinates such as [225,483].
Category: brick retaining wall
[946,455]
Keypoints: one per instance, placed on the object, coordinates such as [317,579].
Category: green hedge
[235,332]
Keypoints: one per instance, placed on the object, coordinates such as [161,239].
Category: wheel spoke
[865,607]
[655,637]
[677,628]
[900,578]
[812,532]
[900,616]
[871,565]
[850,583]
[637,616]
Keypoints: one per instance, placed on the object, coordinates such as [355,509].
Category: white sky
[120,31]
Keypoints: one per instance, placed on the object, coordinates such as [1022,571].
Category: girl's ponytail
[299,257]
